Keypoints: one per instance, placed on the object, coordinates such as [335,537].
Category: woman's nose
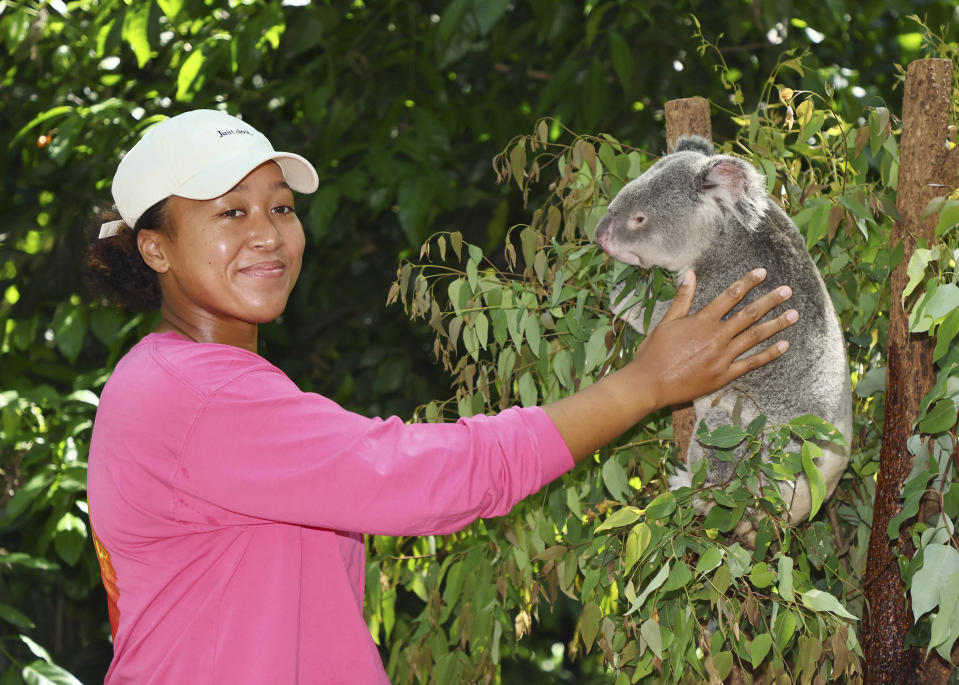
[266,234]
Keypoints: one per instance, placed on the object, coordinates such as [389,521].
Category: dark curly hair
[116,270]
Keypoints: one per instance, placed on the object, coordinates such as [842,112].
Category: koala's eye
[708,185]
[639,219]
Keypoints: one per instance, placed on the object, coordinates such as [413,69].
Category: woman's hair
[116,270]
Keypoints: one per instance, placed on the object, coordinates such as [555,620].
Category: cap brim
[219,177]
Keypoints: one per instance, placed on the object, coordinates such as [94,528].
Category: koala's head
[671,214]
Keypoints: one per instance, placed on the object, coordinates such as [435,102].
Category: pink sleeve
[260,448]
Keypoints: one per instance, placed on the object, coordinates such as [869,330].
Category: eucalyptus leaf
[615,479]
[621,517]
[939,563]
[654,584]
[820,601]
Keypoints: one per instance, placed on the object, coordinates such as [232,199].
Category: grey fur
[694,143]
[696,211]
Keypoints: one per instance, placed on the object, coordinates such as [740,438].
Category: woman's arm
[683,358]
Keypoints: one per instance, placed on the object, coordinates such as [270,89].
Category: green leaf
[941,417]
[529,240]
[945,334]
[15,617]
[873,381]
[70,538]
[817,486]
[723,661]
[69,327]
[562,367]
[651,587]
[170,8]
[619,518]
[589,624]
[932,207]
[810,426]
[135,25]
[596,348]
[636,544]
[939,562]
[760,646]
[531,330]
[517,162]
[28,492]
[481,326]
[43,673]
[723,437]
[472,274]
[39,119]
[912,492]
[661,507]
[948,217]
[761,575]
[943,301]
[449,668]
[709,560]
[820,601]
[679,577]
[85,396]
[786,624]
[786,578]
[917,269]
[27,561]
[615,480]
[653,636]
[188,73]
[622,59]
[37,650]
[528,394]
[738,560]
[323,206]
[814,220]
[945,625]
[415,199]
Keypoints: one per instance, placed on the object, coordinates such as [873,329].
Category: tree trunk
[923,157]
[688,116]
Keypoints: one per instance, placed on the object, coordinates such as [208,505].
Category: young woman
[228,506]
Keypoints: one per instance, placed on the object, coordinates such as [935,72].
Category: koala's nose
[602,228]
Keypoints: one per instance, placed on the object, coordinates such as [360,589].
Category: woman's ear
[152,246]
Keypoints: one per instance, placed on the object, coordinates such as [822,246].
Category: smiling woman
[228,506]
[228,263]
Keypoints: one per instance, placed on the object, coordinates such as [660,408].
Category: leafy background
[403,106]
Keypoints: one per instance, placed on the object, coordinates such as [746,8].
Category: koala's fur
[696,211]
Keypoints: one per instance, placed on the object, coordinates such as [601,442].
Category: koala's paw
[681,479]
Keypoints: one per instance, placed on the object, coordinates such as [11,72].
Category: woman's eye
[231,213]
[283,209]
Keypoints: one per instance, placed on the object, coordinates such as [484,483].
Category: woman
[228,506]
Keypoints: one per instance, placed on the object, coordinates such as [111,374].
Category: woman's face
[233,259]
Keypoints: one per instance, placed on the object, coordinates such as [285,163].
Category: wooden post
[923,159]
[688,116]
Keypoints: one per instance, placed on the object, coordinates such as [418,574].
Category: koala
[694,210]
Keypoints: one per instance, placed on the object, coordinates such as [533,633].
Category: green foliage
[666,595]
[401,104]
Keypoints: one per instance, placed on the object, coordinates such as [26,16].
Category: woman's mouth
[268,269]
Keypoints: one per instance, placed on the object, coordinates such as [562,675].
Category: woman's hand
[683,358]
[686,357]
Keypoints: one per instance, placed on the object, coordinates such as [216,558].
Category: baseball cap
[198,155]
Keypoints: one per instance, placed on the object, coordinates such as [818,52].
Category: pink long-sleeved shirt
[228,509]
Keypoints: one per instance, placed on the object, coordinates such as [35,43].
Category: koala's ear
[737,188]
[694,143]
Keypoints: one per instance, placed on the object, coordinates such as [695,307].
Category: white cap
[198,155]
